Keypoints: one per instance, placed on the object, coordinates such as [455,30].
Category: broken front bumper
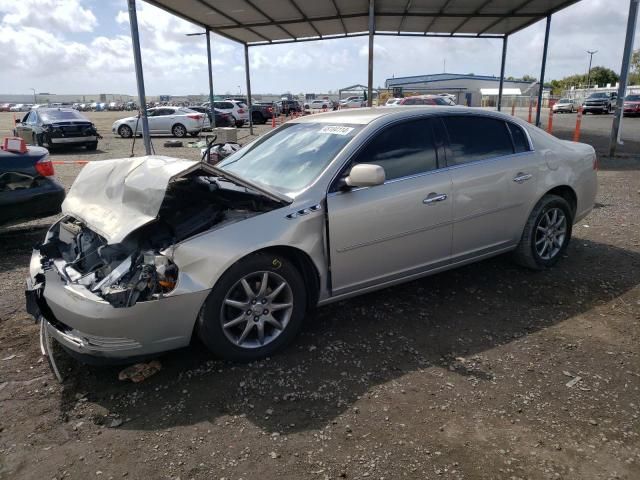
[88,326]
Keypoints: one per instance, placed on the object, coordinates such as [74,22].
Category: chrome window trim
[371,135]
[438,170]
[439,115]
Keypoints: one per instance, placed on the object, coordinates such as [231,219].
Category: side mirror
[365,175]
[18,121]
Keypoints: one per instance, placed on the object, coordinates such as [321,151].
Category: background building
[469,89]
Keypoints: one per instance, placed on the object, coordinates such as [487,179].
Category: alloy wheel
[179,131]
[257,309]
[551,232]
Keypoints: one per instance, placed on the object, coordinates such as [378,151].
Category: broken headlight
[147,277]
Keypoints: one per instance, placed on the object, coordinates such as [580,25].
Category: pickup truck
[261,112]
[600,102]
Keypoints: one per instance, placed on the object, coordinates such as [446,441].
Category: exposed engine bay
[139,267]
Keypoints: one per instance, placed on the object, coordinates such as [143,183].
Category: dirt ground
[484,372]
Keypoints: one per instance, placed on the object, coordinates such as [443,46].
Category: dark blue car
[28,189]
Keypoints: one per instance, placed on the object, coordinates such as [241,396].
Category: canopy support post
[248,74]
[137,60]
[504,59]
[624,76]
[211,107]
[544,66]
[372,27]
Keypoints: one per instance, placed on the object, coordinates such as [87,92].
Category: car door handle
[435,197]
[522,177]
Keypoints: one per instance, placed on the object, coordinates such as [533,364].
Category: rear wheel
[239,123]
[125,131]
[256,308]
[179,130]
[92,145]
[258,118]
[546,234]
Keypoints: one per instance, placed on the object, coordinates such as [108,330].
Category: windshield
[564,100]
[60,115]
[292,157]
[632,98]
[598,95]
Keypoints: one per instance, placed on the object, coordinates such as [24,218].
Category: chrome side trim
[432,269]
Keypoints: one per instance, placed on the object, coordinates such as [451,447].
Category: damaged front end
[104,282]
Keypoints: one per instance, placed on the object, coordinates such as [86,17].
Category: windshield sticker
[336,130]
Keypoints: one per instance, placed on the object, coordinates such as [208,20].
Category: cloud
[55,45]
[60,15]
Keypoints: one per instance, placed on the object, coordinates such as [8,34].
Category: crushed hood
[116,197]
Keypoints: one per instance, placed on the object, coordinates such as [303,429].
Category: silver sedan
[152,250]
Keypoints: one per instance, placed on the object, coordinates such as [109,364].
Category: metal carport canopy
[272,22]
[259,22]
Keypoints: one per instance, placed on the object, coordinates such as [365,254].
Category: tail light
[44,167]
[241,110]
[195,117]
[269,109]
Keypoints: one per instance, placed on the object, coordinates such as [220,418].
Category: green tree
[601,76]
[529,78]
[634,75]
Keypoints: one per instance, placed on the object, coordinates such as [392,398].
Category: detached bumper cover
[87,325]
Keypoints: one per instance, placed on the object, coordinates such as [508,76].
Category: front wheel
[256,308]
[546,234]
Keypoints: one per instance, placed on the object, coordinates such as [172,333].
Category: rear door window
[520,140]
[403,149]
[474,138]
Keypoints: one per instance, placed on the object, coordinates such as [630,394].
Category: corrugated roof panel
[330,27]
[256,21]
[387,24]
[357,24]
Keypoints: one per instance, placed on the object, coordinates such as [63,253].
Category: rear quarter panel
[566,163]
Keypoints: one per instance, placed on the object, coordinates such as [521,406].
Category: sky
[84,46]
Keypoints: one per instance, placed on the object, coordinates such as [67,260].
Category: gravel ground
[488,371]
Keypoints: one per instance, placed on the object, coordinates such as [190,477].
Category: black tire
[125,131]
[526,253]
[92,146]
[36,140]
[179,130]
[239,123]
[209,325]
[258,118]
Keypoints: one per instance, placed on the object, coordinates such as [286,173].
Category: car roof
[56,109]
[364,116]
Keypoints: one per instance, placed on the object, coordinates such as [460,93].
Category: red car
[632,105]
[427,100]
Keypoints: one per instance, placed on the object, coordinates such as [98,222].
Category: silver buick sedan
[152,251]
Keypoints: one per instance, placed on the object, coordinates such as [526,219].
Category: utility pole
[591,53]
[632,19]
